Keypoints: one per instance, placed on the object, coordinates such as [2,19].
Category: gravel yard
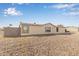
[53,45]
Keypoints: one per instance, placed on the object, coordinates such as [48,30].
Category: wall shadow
[39,35]
[42,35]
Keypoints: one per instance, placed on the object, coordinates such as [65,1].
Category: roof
[34,24]
[31,24]
[60,26]
[50,24]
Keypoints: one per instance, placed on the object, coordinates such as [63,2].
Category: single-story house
[48,28]
[27,28]
[33,29]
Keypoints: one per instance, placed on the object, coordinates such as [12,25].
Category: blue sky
[56,13]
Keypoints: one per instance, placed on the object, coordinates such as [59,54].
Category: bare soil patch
[52,45]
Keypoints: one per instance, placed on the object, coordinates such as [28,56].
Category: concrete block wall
[11,31]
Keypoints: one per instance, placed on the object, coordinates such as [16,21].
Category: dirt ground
[53,45]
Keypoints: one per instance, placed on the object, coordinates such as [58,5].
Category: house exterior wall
[28,29]
[1,32]
[24,28]
[53,28]
[41,29]
[11,31]
[61,30]
[36,29]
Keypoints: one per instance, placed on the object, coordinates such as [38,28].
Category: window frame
[47,29]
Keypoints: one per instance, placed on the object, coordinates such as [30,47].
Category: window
[47,29]
[25,29]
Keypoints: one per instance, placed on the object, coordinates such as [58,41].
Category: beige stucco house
[33,29]
[48,28]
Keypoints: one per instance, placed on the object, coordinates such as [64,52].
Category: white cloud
[72,13]
[23,3]
[12,12]
[20,3]
[74,9]
[69,8]
[14,4]
[17,3]
[62,6]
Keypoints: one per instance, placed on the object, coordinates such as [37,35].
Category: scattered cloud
[20,3]
[13,4]
[68,8]
[17,3]
[12,12]
[74,9]
[62,6]
[72,13]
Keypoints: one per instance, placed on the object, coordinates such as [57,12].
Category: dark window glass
[47,29]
